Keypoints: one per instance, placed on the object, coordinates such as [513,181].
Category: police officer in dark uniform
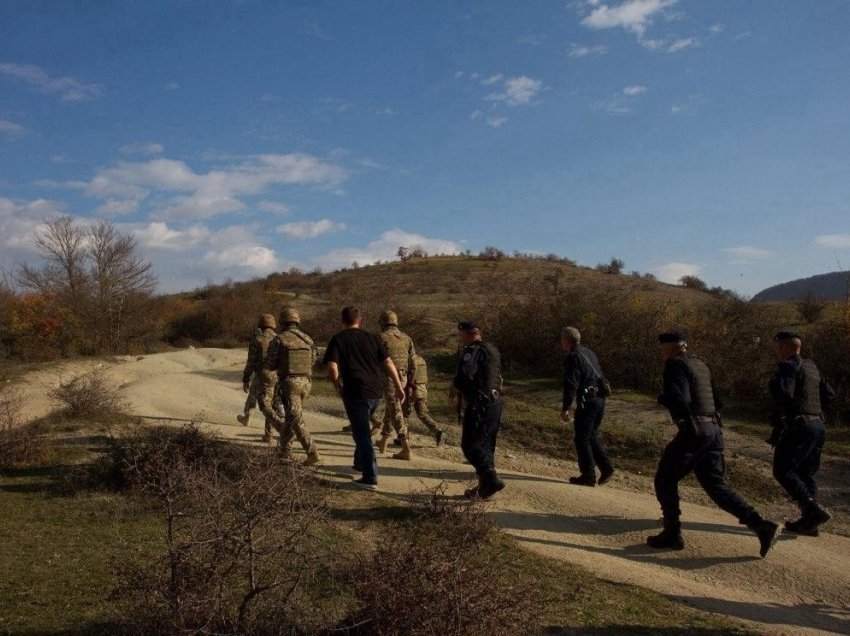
[799,394]
[478,379]
[698,446]
[582,379]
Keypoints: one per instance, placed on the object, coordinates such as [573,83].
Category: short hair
[572,333]
[350,315]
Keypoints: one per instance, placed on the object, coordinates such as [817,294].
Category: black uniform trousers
[590,451]
[796,458]
[703,454]
[478,438]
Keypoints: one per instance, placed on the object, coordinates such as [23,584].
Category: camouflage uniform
[291,357]
[418,398]
[257,366]
[400,348]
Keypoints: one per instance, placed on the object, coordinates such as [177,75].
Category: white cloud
[579,51]
[384,248]
[68,88]
[158,236]
[11,128]
[143,149]
[117,207]
[717,27]
[475,114]
[678,109]
[613,106]
[681,44]
[18,222]
[672,272]
[531,39]
[179,192]
[273,207]
[496,122]
[310,229]
[493,79]
[746,253]
[256,258]
[172,86]
[631,91]
[840,241]
[632,15]
[518,90]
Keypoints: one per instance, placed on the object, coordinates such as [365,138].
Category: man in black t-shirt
[358,364]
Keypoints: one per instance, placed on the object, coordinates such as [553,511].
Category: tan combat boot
[285,453]
[267,438]
[382,445]
[243,419]
[404,453]
[313,458]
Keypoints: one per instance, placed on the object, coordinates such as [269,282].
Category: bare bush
[810,307]
[89,396]
[452,569]
[614,266]
[20,445]
[239,540]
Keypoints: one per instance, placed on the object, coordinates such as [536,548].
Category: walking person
[479,380]
[800,396]
[583,381]
[358,366]
[698,447]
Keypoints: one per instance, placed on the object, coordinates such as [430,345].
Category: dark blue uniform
[478,379]
[698,446]
[798,393]
[581,383]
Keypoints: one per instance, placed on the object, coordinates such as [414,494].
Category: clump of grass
[20,444]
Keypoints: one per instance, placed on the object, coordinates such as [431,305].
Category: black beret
[671,336]
[785,335]
[468,325]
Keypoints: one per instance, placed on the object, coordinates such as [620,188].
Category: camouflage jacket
[258,353]
[400,348]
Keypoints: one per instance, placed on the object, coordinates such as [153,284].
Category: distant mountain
[832,286]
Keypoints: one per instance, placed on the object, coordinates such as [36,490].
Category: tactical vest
[398,346]
[420,371]
[262,342]
[296,353]
[491,378]
[702,395]
[807,389]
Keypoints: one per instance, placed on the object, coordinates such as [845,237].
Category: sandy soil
[801,587]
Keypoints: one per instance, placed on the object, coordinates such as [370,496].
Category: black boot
[490,484]
[669,539]
[813,516]
[766,532]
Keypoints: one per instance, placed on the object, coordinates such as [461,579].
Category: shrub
[810,307]
[693,282]
[453,572]
[89,396]
[20,445]
[239,544]
[614,266]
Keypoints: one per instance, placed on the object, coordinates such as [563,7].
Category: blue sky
[238,138]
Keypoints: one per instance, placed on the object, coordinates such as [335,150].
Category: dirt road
[803,586]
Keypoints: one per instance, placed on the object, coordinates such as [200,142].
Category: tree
[95,275]
[614,266]
[491,253]
[693,282]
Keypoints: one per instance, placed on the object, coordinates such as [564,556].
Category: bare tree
[95,275]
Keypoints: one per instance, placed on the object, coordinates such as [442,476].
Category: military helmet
[388,318]
[289,315]
[267,321]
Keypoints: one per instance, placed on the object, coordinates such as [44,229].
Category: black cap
[786,335]
[671,336]
[468,325]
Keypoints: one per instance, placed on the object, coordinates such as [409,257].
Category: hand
[400,394]
[566,417]
[246,386]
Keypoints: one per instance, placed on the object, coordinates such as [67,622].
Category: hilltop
[832,286]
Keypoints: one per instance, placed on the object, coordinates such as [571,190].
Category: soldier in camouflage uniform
[400,348]
[257,366]
[291,357]
[417,397]
[251,401]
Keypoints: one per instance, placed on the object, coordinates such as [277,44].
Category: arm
[333,376]
[249,365]
[677,390]
[392,373]
[572,380]
[783,385]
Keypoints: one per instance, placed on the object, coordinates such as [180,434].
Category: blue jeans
[359,412]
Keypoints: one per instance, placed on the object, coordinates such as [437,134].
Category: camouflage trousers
[267,400]
[251,401]
[393,413]
[294,391]
[420,405]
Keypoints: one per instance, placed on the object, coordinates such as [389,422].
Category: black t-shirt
[360,356]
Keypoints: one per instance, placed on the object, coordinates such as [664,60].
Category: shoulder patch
[467,357]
